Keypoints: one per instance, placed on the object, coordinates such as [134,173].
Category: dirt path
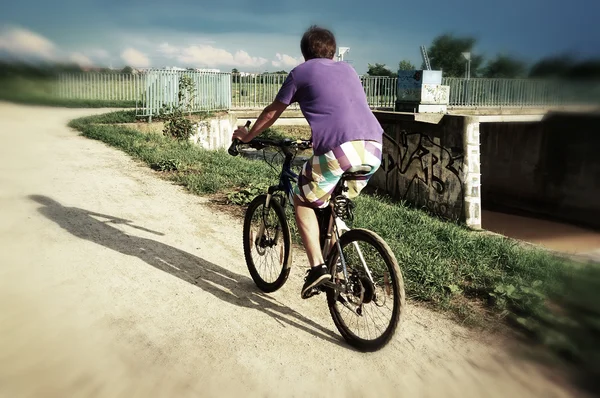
[115,283]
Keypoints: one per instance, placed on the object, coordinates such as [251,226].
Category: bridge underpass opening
[540,181]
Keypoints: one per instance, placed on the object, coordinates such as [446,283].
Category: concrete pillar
[472,173]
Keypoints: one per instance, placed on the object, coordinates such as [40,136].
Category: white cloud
[21,41]
[242,58]
[98,53]
[168,50]
[135,58]
[206,55]
[284,60]
[80,59]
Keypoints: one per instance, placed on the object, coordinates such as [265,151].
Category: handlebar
[233,148]
[260,143]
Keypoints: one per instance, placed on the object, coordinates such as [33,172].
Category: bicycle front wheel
[267,244]
[368,308]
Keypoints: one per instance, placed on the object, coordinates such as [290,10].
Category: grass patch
[444,261]
[293,132]
[200,171]
[477,276]
[124,116]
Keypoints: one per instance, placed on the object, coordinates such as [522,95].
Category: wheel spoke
[377,322]
[266,257]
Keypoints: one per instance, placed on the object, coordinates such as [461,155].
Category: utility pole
[467,56]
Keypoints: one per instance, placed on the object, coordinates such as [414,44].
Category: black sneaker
[314,277]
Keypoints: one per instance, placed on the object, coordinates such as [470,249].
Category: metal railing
[259,90]
[220,91]
[212,91]
[381,91]
[255,91]
[101,86]
[519,93]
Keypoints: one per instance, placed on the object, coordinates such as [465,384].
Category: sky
[256,36]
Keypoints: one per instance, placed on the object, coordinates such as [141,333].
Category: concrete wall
[431,161]
[550,168]
[215,132]
[433,164]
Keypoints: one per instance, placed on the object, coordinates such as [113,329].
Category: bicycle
[350,289]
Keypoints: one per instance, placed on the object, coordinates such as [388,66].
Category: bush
[177,124]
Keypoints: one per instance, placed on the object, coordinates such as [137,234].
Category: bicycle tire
[267,287]
[396,277]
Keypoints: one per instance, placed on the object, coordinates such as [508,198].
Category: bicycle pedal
[313,292]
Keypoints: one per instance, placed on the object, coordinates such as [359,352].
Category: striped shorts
[320,174]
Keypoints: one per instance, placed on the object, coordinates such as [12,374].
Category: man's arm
[266,119]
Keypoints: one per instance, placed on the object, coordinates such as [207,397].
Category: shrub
[178,125]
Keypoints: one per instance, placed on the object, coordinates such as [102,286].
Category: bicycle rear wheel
[365,313]
[267,254]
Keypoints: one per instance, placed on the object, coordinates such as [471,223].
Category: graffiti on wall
[421,171]
[435,94]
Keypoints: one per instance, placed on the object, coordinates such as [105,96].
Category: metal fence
[255,91]
[259,90]
[101,86]
[212,91]
[380,91]
[519,93]
[152,89]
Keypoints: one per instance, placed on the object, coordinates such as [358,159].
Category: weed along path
[117,283]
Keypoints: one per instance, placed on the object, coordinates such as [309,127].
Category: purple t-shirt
[333,101]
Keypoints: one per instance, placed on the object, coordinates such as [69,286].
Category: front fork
[265,211]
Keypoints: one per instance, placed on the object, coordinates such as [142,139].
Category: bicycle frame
[336,226]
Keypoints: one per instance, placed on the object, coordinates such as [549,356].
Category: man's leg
[308,226]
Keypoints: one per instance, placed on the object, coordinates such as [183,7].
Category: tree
[555,66]
[380,70]
[235,75]
[445,54]
[589,69]
[127,69]
[504,66]
[566,67]
[406,65]
[379,86]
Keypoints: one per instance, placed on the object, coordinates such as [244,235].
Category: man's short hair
[318,42]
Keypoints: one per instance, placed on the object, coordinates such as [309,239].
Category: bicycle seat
[357,171]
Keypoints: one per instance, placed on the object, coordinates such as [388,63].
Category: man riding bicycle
[345,134]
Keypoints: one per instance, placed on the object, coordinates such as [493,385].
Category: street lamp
[341,52]
[467,56]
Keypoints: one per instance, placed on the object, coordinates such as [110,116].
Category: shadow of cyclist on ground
[192,269]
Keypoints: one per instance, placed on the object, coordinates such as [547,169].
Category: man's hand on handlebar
[241,133]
